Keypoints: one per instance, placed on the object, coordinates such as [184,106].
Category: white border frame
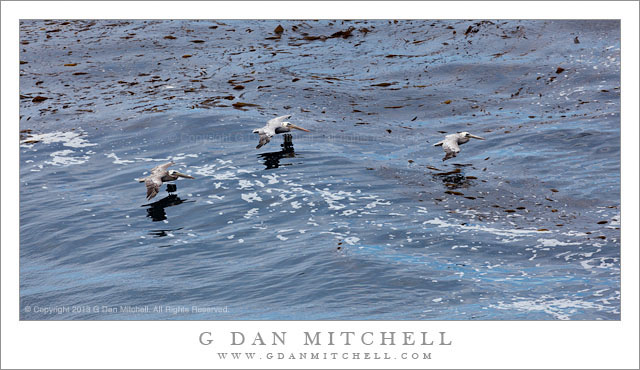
[106,344]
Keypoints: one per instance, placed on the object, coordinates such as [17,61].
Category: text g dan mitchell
[329,338]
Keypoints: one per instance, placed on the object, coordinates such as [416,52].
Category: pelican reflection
[456,178]
[272,159]
[156,209]
[163,232]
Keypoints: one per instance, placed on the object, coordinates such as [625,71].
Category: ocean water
[359,219]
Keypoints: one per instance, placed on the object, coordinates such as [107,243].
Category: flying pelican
[275,126]
[159,174]
[451,143]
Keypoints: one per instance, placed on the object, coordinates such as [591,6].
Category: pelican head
[468,135]
[176,174]
[291,125]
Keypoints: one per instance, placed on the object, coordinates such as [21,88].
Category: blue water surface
[360,219]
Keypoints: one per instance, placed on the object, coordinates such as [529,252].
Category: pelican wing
[161,168]
[451,148]
[264,139]
[278,120]
[153,184]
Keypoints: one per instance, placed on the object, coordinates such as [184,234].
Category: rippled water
[358,219]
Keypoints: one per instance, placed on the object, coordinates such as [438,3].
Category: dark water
[358,219]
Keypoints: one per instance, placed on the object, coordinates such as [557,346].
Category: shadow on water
[272,159]
[456,178]
[156,209]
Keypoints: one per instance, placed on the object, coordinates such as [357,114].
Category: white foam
[554,243]
[145,159]
[64,158]
[459,246]
[352,240]
[73,139]
[560,309]
[285,198]
[601,263]
[227,175]
[615,220]
[206,170]
[501,232]
[245,184]
[422,209]
[117,160]
[180,156]
[250,197]
[250,213]
[300,190]
[376,203]
[273,179]
[332,198]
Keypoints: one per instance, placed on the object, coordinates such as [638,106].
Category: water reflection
[163,232]
[156,209]
[456,178]
[272,159]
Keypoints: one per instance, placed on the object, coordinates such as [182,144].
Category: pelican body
[160,174]
[277,125]
[451,143]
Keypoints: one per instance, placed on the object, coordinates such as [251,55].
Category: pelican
[160,174]
[451,143]
[277,125]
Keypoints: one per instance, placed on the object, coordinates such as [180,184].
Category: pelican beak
[179,174]
[299,128]
[476,137]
